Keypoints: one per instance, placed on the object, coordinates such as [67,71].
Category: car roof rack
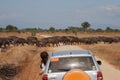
[71,52]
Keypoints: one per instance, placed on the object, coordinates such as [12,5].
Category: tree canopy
[11,28]
[85,25]
[52,29]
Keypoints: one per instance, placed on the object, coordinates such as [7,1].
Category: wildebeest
[32,40]
[13,39]
[55,40]
[4,42]
[21,41]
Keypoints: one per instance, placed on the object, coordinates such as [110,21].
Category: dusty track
[28,57]
[109,72]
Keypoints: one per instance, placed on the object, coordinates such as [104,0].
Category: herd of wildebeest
[55,41]
[7,71]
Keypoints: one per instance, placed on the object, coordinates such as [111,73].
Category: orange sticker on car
[54,59]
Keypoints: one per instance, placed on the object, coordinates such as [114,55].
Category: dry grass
[28,56]
[82,34]
[108,52]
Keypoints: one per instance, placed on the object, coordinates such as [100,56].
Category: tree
[11,28]
[66,30]
[73,29]
[99,30]
[109,29]
[85,25]
[1,29]
[52,29]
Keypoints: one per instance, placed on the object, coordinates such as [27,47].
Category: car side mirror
[99,62]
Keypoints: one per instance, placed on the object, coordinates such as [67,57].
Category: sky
[60,13]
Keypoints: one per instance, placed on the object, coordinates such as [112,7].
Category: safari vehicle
[72,65]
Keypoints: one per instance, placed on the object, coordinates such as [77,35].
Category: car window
[63,64]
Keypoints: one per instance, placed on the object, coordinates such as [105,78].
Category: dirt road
[31,70]
[109,72]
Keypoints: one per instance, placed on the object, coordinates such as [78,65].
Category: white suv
[72,65]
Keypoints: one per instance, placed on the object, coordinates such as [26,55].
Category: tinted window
[67,63]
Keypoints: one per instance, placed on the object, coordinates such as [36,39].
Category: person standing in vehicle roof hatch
[44,57]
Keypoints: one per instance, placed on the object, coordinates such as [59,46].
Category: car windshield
[63,64]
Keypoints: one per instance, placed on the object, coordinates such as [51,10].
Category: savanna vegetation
[85,27]
[21,62]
